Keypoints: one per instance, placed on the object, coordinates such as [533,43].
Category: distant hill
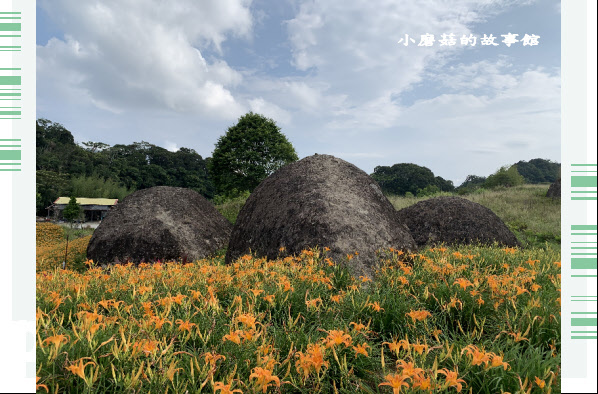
[539,170]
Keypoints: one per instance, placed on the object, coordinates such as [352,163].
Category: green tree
[250,151]
[403,178]
[505,176]
[50,185]
[98,187]
[72,210]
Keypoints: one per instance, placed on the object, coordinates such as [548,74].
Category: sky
[335,75]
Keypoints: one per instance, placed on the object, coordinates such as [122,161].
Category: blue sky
[330,73]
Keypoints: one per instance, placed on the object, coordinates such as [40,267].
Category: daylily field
[467,319]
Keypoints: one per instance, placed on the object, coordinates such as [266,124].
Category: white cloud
[158,67]
[171,146]
[270,110]
[128,54]
[351,46]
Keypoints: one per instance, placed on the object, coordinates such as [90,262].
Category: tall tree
[250,151]
[406,177]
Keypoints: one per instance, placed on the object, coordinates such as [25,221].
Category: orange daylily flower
[225,388]
[247,319]
[464,283]
[541,383]
[497,361]
[184,325]
[419,348]
[451,379]
[422,383]
[361,349]
[409,368]
[269,298]
[178,298]
[396,382]
[79,369]
[159,322]
[313,303]
[212,358]
[518,337]
[256,292]
[264,377]
[358,326]
[57,341]
[40,386]
[316,353]
[478,356]
[375,306]
[336,337]
[454,302]
[233,337]
[419,315]
[336,298]
[313,358]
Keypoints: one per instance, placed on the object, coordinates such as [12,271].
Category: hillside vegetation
[534,218]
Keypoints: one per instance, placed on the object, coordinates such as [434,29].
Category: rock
[319,201]
[554,190]
[455,220]
[160,223]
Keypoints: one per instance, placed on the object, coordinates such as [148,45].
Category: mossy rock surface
[319,201]
[159,224]
[455,220]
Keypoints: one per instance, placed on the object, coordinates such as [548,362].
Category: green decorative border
[584,179]
[10,159]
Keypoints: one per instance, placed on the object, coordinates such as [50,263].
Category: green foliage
[429,190]
[72,210]
[230,207]
[402,178]
[250,151]
[444,185]
[142,165]
[471,183]
[50,185]
[505,176]
[539,170]
[57,151]
[97,187]
[64,168]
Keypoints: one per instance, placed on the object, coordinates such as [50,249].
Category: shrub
[505,176]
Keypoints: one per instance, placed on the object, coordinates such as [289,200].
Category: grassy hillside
[534,218]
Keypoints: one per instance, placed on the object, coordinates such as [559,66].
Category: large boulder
[319,201]
[160,223]
[554,190]
[455,220]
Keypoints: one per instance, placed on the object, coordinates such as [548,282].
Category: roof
[87,201]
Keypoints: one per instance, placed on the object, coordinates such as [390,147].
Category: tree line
[246,154]
[414,180]
[64,168]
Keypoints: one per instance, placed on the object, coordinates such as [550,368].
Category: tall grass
[230,207]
